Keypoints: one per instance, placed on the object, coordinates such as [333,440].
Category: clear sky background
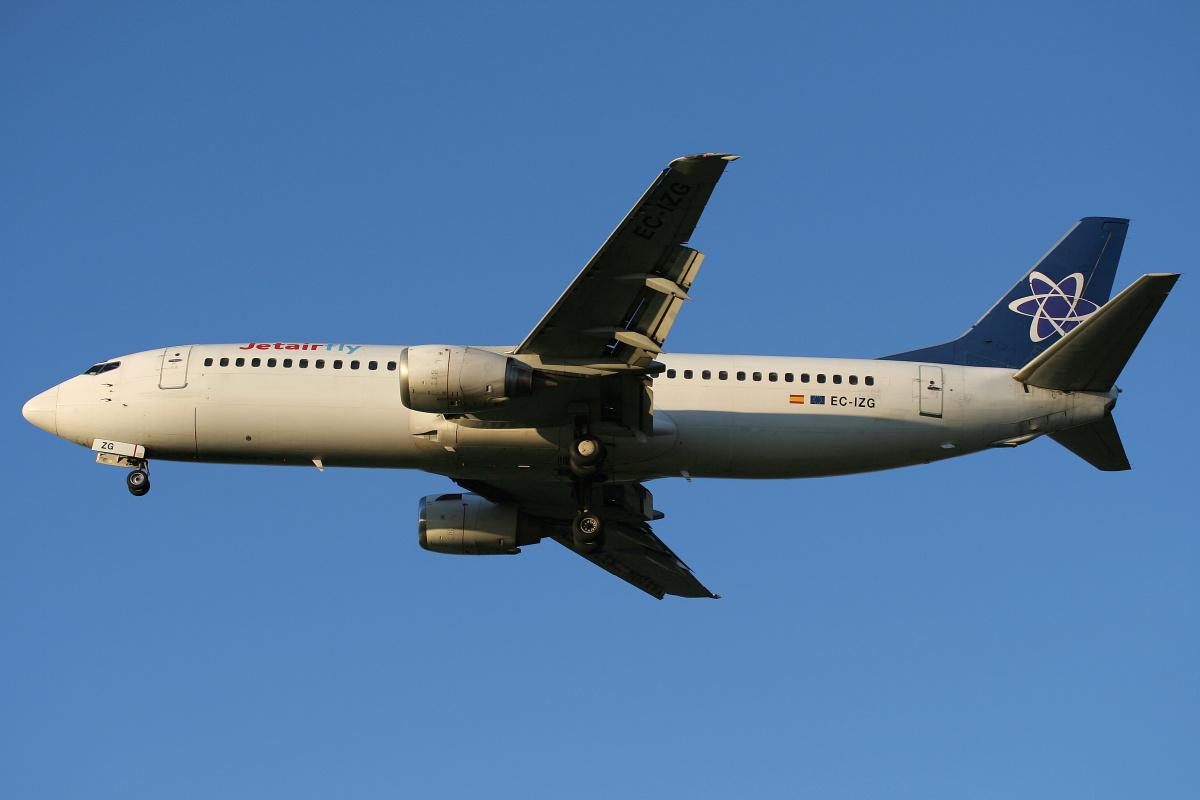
[1014,624]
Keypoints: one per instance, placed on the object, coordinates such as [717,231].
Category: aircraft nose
[41,410]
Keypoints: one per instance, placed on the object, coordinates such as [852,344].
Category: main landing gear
[586,458]
[587,533]
[138,481]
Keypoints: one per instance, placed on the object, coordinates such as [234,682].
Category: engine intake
[444,379]
[466,524]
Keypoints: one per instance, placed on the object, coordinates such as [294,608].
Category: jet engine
[466,524]
[442,379]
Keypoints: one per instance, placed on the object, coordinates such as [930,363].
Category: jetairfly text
[341,348]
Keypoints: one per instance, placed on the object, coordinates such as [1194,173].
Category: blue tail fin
[1064,288]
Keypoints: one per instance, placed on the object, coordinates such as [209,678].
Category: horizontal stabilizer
[1097,443]
[1091,356]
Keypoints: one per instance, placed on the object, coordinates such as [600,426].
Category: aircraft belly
[718,444]
[338,436]
[294,419]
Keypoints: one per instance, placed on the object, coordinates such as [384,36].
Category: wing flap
[638,557]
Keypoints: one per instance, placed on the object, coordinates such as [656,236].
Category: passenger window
[854,380]
[391,366]
[373,365]
[687,374]
[741,376]
[208,362]
[774,376]
[271,362]
[256,362]
[320,363]
[241,362]
[869,381]
[805,377]
[304,363]
[758,376]
[837,378]
[707,375]
[670,373]
[353,365]
[287,362]
[723,375]
[337,364]
[224,362]
[788,377]
[820,378]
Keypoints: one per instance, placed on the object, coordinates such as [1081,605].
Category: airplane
[556,437]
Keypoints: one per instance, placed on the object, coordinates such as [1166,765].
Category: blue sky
[1012,624]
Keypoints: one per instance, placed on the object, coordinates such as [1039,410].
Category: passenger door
[931,391]
[174,367]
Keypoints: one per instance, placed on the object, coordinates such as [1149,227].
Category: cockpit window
[96,369]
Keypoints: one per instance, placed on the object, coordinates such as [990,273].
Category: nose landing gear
[138,482]
[127,455]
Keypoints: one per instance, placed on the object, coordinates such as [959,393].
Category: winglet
[699,156]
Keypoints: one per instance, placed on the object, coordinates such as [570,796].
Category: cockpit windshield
[96,369]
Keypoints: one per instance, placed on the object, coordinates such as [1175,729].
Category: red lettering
[292,347]
[247,347]
[264,347]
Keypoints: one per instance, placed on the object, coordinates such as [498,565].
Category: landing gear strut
[138,481]
[586,457]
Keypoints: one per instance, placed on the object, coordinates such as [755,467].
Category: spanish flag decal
[796,398]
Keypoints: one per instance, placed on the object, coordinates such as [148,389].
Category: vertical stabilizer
[1066,287]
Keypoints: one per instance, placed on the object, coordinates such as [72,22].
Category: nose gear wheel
[138,482]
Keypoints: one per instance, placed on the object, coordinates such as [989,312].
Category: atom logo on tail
[1055,307]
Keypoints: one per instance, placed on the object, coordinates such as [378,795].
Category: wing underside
[632,551]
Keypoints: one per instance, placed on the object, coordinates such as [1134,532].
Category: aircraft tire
[587,454]
[587,533]
[138,482]
[587,525]
[588,546]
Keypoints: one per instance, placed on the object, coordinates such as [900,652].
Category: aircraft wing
[623,303]
[631,552]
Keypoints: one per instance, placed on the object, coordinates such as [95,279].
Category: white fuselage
[735,416]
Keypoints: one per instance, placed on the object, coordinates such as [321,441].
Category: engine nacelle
[442,379]
[466,524]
